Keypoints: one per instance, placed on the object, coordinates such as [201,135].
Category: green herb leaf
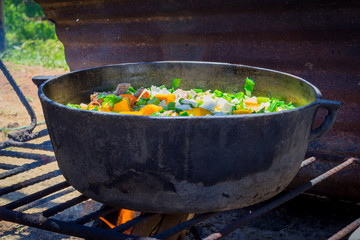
[142,101]
[249,86]
[175,82]
[171,106]
[197,90]
[239,95]
[101,96]
[154,101]
[184,114]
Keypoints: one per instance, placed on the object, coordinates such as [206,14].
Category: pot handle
[333,107]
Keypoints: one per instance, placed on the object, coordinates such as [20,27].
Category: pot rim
[318,95]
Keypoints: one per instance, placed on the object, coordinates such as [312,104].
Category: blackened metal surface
[316,40]
[183,164]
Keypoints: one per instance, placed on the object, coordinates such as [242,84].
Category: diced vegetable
[160,101]
[242,111]
[249,86]
[167,97]
[175,82]
[122,106]
[131,112]
[150,109]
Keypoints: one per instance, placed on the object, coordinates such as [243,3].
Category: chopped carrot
[199,111]
[132,99]
[167,97]
[121,106]
[242,111]
[150,109]
[131,112]
[145,94]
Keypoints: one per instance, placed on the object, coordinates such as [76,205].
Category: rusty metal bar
[94,215]
[37,195]
[33,156]
[29,182]
[45,199]
[134,222]
[69,228]
[182,226]
[43,146]
[308,161]
[7,166]
[61,207]
[30,136]
[273,204]
[346,230]
[24,168]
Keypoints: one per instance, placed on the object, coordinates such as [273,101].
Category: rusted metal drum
[316,40]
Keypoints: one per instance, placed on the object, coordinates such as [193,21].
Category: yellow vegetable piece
[105,108]
[198,112]
[167,97]
[122,106]
[131,113]
[150,109]
[251,101]
[242,111]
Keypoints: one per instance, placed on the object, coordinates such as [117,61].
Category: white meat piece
[156,90]
[209,105]
[189,102]
[179,93]
[184,107]
[163,104]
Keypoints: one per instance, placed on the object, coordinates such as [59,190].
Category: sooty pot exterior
[181,164]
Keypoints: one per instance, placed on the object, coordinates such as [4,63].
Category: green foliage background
[30,39]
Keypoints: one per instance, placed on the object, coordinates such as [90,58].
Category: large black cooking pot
[181,164]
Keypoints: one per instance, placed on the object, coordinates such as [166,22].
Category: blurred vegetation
[30,38]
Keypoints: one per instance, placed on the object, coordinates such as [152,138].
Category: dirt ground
[12,113]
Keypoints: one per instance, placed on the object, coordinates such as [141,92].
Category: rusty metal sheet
[317,40]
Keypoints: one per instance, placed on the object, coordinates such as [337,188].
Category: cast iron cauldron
[181,164]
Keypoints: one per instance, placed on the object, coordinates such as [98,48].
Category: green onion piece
[198,90]
[73,105]
[175,82]
[162,87]
[239,95]
[111,99]
[218,93]
[273,105]
[171,90]
[200,103]
[262,99]
[249,86]
[154,101]
[261,110]
[131,89]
